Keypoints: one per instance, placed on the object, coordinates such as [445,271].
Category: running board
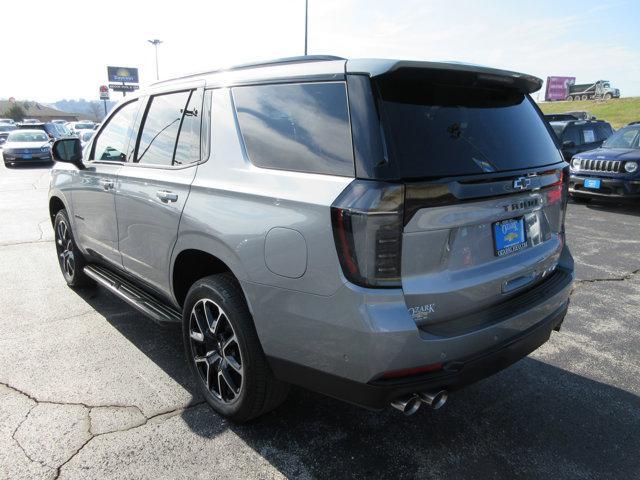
[133,295]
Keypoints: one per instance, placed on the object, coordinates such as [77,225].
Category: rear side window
[300,127]
[437,126]
[188,146]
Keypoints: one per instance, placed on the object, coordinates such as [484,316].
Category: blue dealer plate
[592,183]
[509,236]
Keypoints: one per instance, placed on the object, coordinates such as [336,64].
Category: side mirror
[68,150]
[568,144]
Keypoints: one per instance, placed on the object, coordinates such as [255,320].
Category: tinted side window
[161,127]
[188,146]
[113,140]
[571,134]
[603,132]
[300,127]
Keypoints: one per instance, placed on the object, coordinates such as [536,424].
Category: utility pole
[155,43]
[306,24]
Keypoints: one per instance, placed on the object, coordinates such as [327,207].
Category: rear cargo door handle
[106,184]
[519,282]
[166,196]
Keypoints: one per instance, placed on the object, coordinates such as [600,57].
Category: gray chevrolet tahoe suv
[380,231]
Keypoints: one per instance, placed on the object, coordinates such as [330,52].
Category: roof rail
[266,63]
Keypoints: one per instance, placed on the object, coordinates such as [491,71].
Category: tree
[97,110]
[15,112]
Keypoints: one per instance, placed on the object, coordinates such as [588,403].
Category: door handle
[106,184]
[166,196]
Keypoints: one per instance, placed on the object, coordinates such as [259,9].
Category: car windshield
[18,136]
[625,138]
[7,128]
[84,126]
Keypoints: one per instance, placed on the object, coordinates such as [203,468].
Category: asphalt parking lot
[89,388]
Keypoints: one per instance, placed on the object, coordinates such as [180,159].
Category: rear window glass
[301,127]
[437,128]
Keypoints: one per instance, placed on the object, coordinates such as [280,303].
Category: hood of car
[21,145]
[620,154]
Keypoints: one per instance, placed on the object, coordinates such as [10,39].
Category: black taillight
[367,228]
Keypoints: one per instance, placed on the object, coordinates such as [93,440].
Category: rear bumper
[342,345]
[614,188]
[454,375]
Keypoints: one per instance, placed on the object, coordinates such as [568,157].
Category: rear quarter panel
[233,205]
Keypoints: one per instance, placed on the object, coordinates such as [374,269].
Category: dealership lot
[89,388]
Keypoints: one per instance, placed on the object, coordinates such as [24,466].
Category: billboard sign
[558,88]
[123,74]
[123,88]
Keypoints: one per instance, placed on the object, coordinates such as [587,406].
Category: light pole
[306,22]
[155,43]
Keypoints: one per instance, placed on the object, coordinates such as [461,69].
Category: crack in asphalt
[167,414]
[28,242]
[623,278]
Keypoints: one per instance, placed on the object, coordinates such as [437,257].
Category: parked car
[30,121]
[7,120]
[610,172]
[53,130]
[262,208]
[5,129]
[60,121]
[559,117]
[26,146]
[85,137]
[582,115]
[577,136]
[77,127]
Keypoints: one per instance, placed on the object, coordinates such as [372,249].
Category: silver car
[26,147]
[381,231]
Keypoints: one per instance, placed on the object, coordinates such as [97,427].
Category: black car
[5,129]
[578,136]
[559,117]
[612,171]
[53,130]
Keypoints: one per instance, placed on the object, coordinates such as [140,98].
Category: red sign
[104,92]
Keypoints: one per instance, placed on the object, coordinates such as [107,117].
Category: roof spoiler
[379,68]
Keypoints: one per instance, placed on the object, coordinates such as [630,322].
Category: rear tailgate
[485,188]
[462,254]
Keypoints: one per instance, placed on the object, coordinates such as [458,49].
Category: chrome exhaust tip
[407,405]
[434,399]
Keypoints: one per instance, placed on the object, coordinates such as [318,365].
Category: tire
[224,352]
[584,97]
[608,96]
[570,98]
[70,258]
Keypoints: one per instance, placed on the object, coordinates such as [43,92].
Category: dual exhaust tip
[411,403]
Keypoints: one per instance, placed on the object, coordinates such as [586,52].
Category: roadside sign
[123,87]
[123,74]
[104,92]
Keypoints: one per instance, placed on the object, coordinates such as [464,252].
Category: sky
[62,53]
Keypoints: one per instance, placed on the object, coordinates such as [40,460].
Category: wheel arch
[192,262]
[55,205]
